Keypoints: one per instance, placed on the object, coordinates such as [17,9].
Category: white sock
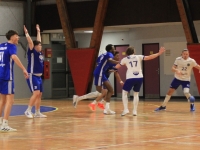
[107,105]
[29,108]
[89,95]
[1,120]
[167,98]
[125,99]
[37,111]
[94,102]
[135,100]
[102,101]
[5,122]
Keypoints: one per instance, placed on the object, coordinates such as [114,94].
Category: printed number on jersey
[133,63]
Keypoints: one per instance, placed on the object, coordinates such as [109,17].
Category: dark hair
[116,52]
[35,42]
[109,47]
[130,51]
[10,33]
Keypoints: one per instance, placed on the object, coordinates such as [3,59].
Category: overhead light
[88,31]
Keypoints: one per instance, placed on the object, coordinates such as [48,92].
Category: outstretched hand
[38,27]
[25,30]
[161,50]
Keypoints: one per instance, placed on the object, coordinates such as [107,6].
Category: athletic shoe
[7,129]
[125,112]
[192,107]
[108,111]
[39,115]
[134,112]
[101,105]
[75,100]
[160,108]
[92,106]
[28,114]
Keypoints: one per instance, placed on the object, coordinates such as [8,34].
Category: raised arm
[113,61]
[162,50]
[38,33]
[30,42]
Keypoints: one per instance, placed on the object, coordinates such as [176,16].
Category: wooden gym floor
[80,129]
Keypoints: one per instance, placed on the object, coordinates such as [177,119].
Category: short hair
[36,42]
[116,52]
[130,51]
[11,33]
[184,50]
[109,47]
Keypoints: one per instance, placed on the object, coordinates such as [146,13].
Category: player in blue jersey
[182,69]
[104,90]
[99,78]
[8,55]
[35,70]
[134,76]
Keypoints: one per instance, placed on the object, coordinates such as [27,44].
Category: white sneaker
[125,112]
[39,115]
[7,129]
[134,112]
[28,114]
[75,100]
[108,111]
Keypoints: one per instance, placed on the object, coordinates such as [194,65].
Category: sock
[135,100]
[102,101]
[167,98]
[107,105]
[5,122]
[29,108]
[37,111]
[125,99]
[1,120]
[94,102]
[89,95]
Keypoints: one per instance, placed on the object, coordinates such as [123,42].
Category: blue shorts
[7,87]
[35,83]
[176,83]
[134,83]
[98,80]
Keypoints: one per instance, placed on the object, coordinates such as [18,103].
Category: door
[122,70]
[151,72]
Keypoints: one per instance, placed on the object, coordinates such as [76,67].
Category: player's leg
[34,86]
[38,114]
[8,96]
[174,85]
[2,105]
[136,89]
[126,88]
[110,92]
[98,84]
[186,91]
[101,103]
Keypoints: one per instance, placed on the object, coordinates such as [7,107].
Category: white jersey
[185,66]
[133,64]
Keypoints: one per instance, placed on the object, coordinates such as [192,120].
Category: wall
[141,35]
[12,17]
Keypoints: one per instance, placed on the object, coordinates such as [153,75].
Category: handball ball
[192,99]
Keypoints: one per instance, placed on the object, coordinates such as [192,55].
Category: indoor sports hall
[74,36]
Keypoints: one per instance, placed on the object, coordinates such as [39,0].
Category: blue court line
[18,110]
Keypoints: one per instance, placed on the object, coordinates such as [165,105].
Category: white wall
[11,17]
[137,36]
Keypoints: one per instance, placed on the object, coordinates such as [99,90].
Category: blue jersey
[35,62]
[6,62]
[102,63]
[110,70]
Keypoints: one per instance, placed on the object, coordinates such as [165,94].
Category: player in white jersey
[182,69]
[8,55]
[35,70]
[134,76]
